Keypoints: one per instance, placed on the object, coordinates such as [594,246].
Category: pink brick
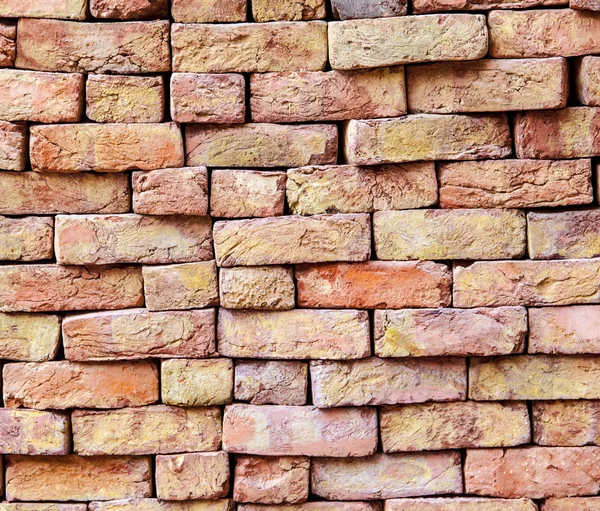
[357,9]
[271,382]
[461,503]
[13,146]
[572,504]
[26,239]
[587,73]
[8,45]
[65,9]
[130,10]
[161,505]
[34,432]
[427,6]
[208,11]
[320,505]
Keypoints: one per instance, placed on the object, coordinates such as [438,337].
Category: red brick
[586,75]
[34,432]
[566,423]
[26,239]
[208,11]
[572,504]
[460,503]
[8,44]
[353,9]
[13,146]
[130,10]
[29,337]
[66,9]
[427,6]
[271,382]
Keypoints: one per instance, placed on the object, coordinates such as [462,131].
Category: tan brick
[208,11]
[374,284]
[13,146]
[406,40]
[8,44]
[450,332]
[148,430]
[566,423]
[572,504]
[585,5]
[428,6]
[34,432]
[514,183]
[162,505]
[319,505]
[41,506]
[61,385]
[387,476]
[257,287]
[66,9]
[587,75]
[130,10]
[358,9]
[460,504]
[271,382]
[437,426]
[293,334]
[376,381]
[299,430]
[29,337]
[78,478]
[440,137]
[26,239]
[288,10]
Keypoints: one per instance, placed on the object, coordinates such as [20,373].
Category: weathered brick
[514,183]
[34,432]
[49,287]
[26,239]
[428,6]
[357,9]
[437,426]
[586,77]
[125,98]
[271,480]
[439,137]
[293,334]
[249,47]
[450,332]
[374,284]
[271,382]
[72,47]
[130,10]
[192,476]
[61,385]
[41,506]
[376,381]
[147,430]
[572,504]
[13,146]
[209,11]
[78,478]
[29,337]
[181,286]
[488,86]
[406,40]
[257,287]
[566,423]
[216,98]
[66,9]
[8,44]
[288,10]
[105,147]
[246,193]
[197,382]
[585,5]
[387,476]
[460,503]
[299,430]
[162,505]
[261,145]
[318,505]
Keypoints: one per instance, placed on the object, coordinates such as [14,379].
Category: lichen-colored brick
[26,239]
[276,382]
[161,505]
[209,11]
[34,432]
[64,9]
[565,423]
[288,10]
[29,337]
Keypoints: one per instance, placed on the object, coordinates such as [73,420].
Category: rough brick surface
[66,9]
[572,504]
[26,239]
[357,9]
[566,423]
[29,337]
[460,504]
[288,10]
[257,287]
[587,71]
[8,46]
[132,10]
[34,432]
[13,146]
[162,505]
[271,382]
[208,11]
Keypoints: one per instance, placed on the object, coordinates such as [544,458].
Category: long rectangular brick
[358,9]
[376,381]
[294,334]
[450,332]
[271,382]
[41,506]
[131,238]
[29,337]
[13,146]
[318,505]
[132,10]
[299,430]
[428,6]
[460,503]
[438,426]
[572,504]
[75,47]
[61,385]
[34,432]
[566,423]
[586,76]
[8,43]
[440,137]
[26,239]
[78,478]
[105,147]
[65,9]
[209,11]
[146,430]
[163,505]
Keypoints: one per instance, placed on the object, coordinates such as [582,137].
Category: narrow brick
[429,6]
[374,285]
[155,429]
[460,503]
[130,10]
[572,504]
[293,334]
[440,137]
[319,505]
[13,146]
[256,47]
[29,337]
[34,432]
[26,239]
[161,505]
[585,5]
[257,287]
[376,381]
[61,385]
[358,9]
[8,43]
[271,382]
[41,506]
[209,11]
[587,76]
[65,9]
[438,426]
[299,431]
[566,423]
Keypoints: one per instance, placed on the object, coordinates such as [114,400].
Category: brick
[65,9]
[256,48]
[48,287]
[13,146]
[137,334]
[155,429]
[530,283]
[34,432]
[181,286]
[202,98]
[488,86]
[192,476]
[357,9]
[387,476]
[572,504]
[162,505]
[61,385]
[299,431]
[514,183]
[395,41]
[271,382]
[441,137]
[8,43]
[585,5]
[566,423]
[271,480]
[428,6]
[29,337]
[450,332]
[292,240]
[26,239]
[246,193]
[105,147]
[261,145]
[293,334]
[77,478]
[288,10]
[131,10]
[320,505]
[125,98]
[538,377]
[115,48]
[533,472]
[41,506]
[103,239]
[437,426]
[374,284]
[460,503]
[40,97]
[327,96]
[208,11]
[376,381]
[586,76]
[257,287]
[197,382]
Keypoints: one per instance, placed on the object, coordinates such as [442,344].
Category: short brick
[65,9]
[34,432]
[319,505]
[13,146]
[130,10]
[26,239]
[209,11]
[8,43]
[358,9]
[587,77]
[29,337]
[572,504]
[257,287]
[288,10]
[271,382]
[566,423]
[162,505]
[461,503]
